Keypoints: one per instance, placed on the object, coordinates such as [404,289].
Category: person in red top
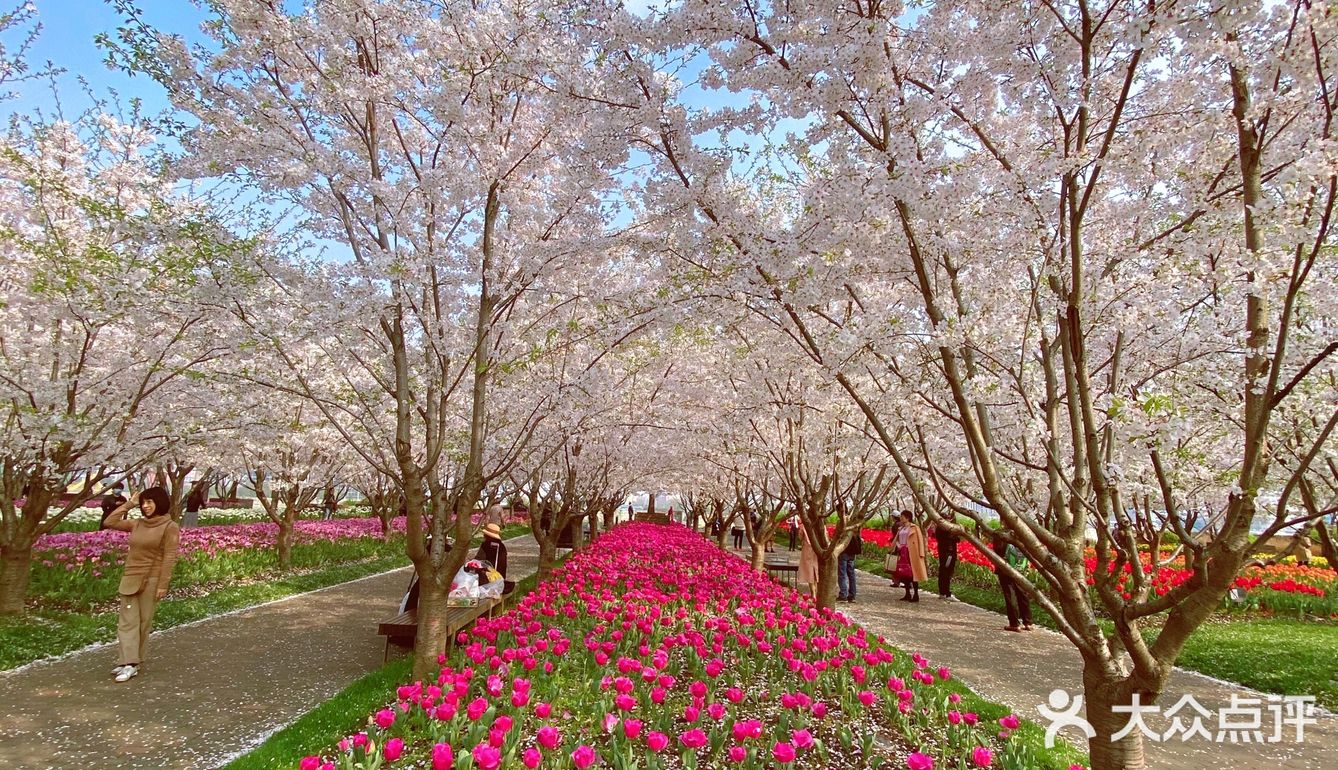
[154,540]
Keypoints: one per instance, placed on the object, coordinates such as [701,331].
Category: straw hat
[492,530]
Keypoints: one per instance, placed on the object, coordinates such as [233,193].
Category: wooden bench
[783,573]
[404,627]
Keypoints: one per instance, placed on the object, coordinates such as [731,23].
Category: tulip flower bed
[654,649]
[100,550]
[74,576]
[1277,588]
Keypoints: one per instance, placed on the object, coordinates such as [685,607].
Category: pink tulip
[310,763]
[737,753]
[542,710]
[919,761]
[360,740]
[487,757]
[867,697]
[1010,722]
[531,758]
[442,757]
[657,742]
[549,737]
[819,710]
[801,739]
[393,749]
[783,752]
[476,709]
[693,739]
[982,757]
[631,728]
[955,717]
[583,757]
[625,702]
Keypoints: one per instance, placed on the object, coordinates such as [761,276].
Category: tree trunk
[547,558]
[285,543]
[15,568]
[1326,544]
[430,641]
[826,588]
[759,554]
[650,506]
[1103,691]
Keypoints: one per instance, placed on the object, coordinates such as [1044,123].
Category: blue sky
[67,39]
[68,31]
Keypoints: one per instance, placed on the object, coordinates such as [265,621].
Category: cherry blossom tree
[1066,260]
[103,256]
[438,144]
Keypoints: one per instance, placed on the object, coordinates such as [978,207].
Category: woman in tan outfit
[148,570]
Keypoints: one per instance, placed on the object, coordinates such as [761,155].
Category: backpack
[1016,560]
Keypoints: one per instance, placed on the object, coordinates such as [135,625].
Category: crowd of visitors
[907,562]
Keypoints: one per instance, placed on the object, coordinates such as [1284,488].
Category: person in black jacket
[493,550]
[947,560]
[845,569]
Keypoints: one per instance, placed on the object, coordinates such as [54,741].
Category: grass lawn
[45,632]
[75,610]
[1289,656]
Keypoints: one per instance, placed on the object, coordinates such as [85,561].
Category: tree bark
[825,594]
[547,558]
[759,554]
[1103,691]
[430,641]
[1327,548]
[15,569]
[285,542]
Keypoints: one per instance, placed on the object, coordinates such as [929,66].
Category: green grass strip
[1288,656]
[47,633]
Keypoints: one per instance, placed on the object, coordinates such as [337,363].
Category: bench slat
[457,619]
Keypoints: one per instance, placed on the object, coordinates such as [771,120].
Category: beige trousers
[136,618]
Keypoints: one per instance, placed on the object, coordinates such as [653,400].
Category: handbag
[890,562]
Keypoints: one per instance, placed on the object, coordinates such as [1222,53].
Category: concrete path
[209,690]
[1021,670]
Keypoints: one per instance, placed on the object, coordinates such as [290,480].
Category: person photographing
[153,544]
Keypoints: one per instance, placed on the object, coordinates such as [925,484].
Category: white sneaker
[126,673]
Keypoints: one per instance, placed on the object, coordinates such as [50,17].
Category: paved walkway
[1020,670]
[210,690]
